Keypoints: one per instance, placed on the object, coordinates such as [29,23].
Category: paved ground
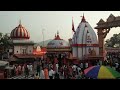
[22,77]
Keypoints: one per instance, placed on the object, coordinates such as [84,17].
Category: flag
[73,26]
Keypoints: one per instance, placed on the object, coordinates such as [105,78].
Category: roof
[111,18]
[57,37]
[111,21]
[83,31]
[8,67]
[101,21]
[23,42]
[41,52]
[26,56]
[19,32]
[93,57]
[3,63]
[57,42]
[59,50]
[112,49]
[83,19]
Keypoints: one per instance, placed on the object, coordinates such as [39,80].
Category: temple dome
[84,41]
[57,42]
[19,32]
[83,30]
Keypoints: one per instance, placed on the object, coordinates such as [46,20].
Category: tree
[108,43]
[4,41]
[113,41]
[1,39]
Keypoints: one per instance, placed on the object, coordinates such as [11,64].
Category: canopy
[101,72]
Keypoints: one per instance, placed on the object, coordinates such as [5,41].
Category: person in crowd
[46,73]
[57,76]
[42,75]
[38,69]
[51,73]
[26,71]
[74,68]
[16,70]
[23,69]
[31,68]
[37,76]
[86,65]
[81,65]
[57,66]
[19,69]
[116,66]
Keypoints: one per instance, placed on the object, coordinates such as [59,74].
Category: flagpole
[43,36]
[73,29]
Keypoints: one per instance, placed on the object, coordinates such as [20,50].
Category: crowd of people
[51,67]
[58,68]
[55,67]
[21,69]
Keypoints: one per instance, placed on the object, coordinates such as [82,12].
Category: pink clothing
[55,60]
[64,61]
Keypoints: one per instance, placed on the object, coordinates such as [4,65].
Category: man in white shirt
[51,73]
[116,66]
[74,67]
[81,65]
[57,67]
[79,69]
[86,65]
[42,76]
[31,69]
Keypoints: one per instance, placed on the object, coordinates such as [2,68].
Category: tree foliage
[114,41]
[4,40]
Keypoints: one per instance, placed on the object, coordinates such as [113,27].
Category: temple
[84,41]
[22,46]
[58,46]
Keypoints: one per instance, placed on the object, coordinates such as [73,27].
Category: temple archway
[103,29]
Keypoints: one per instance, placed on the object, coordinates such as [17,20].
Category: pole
[43,40]
[43,37]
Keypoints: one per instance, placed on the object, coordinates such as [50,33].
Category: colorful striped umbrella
[101,72]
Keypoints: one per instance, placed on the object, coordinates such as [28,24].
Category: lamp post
[43,40]
[43,36]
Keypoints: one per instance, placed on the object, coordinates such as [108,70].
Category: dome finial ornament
[57,32]
[83,18]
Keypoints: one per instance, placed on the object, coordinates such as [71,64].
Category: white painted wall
[29,49]
[17,48]
[74,51]
[79,52]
